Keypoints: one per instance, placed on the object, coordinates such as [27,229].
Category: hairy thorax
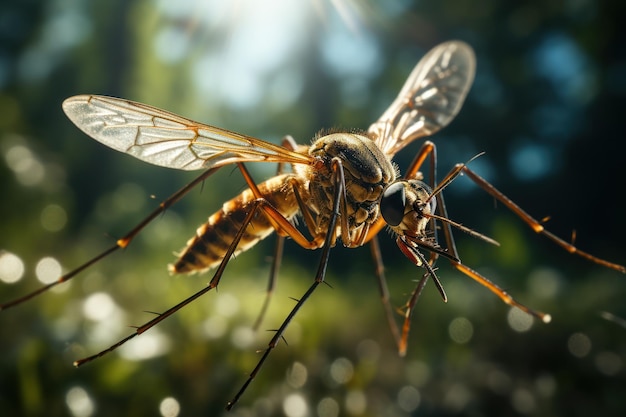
[367,171]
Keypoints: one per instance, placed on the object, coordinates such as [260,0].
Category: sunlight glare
[237,73]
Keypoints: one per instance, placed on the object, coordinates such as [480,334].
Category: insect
[344,186]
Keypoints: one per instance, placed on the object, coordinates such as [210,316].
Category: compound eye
[392,204]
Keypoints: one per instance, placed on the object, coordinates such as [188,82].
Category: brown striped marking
[207,248]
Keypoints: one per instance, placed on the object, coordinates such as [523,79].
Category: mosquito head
[405,206]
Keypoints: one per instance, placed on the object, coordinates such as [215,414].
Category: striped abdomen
[212,240]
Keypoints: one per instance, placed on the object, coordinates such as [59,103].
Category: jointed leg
[319,278]
[290,144]
[270,212]
[536,225]
[119,244]
[271,285]
[384,291]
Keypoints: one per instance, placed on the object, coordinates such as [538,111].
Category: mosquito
[344,187]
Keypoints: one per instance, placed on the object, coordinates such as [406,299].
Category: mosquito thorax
[405,206]
[367,172]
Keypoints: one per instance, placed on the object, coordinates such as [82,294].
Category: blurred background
[547,107]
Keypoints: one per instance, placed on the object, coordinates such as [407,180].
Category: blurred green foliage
[547,107]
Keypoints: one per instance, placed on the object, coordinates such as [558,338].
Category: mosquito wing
[166,139]
[430,98]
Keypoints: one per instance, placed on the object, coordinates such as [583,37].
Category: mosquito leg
[536,225]
[278,335]
[384,291]
[319,278]
[212,284]
[503,295]
[289,143]
[119,244]
[406,326]
[452,250]
[259,204]
[276,261]
[413,172]
[428,149]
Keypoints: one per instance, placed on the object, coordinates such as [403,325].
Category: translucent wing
[165,139]
[430,98]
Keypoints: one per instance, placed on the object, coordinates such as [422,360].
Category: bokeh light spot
[545,282]
[368,350]
[356,402]
[531,161]
[227,305]
[417,373]
[579,345]
[297,375]
[341,370]
[457,397]
[408,398]
[295,405]
[608,363]
[129,197]
[53,218]
[499,381]
[28,170]
[79,402]
[169,407]
[148,345]
[545,385]
[523,401]
[328,407]
[214,327]
[48,270]
[11,267]
[460,330]
[242,337]
[519,320]
[99,306]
